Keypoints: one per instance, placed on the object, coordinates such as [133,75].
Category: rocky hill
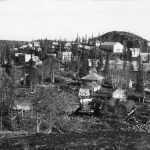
[131,40]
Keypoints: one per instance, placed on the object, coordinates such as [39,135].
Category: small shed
[66,56]
[120,94]
[85,101]
[84,92]
[114,47]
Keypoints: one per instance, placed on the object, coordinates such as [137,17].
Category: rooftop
[93,77]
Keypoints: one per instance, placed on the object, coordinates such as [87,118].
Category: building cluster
[93,84]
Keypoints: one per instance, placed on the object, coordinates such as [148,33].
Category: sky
[55,19]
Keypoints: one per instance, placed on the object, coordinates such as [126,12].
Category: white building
[93,77]
[87,47]
[148,43]
[24,46]
[114,47]
[120,94]
[36,44]
[55,43]
[66,56]
[85,101]
[30,45]
[98,43]
[84,92]
[135,51]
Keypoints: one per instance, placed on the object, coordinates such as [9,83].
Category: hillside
[131,40]
[7,43]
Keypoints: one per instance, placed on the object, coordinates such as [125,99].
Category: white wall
[66,56]
[135,52]
[118,48]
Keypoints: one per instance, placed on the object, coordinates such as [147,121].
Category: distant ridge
[131,40]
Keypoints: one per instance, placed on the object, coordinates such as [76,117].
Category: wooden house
[114,47]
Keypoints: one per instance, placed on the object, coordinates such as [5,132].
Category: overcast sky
[35,19]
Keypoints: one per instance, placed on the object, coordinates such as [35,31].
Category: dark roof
[109,43]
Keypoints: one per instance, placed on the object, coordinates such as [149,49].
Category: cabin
[36,44]
[114,47]
[92,82]
[120,94]
[90,85]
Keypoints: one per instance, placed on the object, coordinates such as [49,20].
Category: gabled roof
[93,77]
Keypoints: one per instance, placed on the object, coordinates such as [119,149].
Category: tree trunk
[53,77]
[37,124]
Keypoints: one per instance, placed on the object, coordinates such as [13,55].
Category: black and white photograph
[74,75]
